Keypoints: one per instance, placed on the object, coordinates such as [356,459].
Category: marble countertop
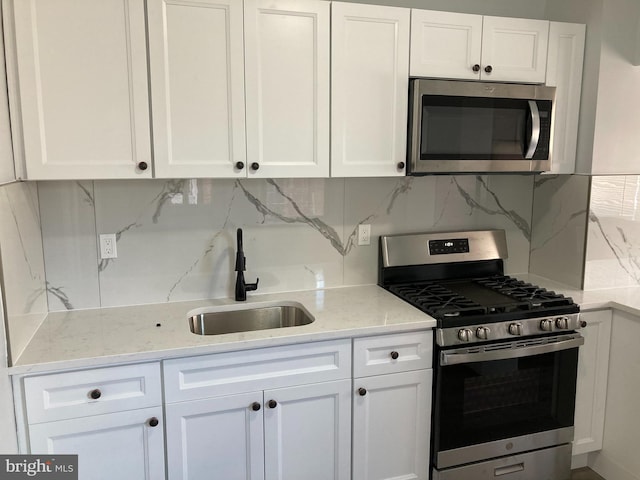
[100,337]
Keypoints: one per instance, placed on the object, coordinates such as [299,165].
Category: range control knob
[483,333]
[562,323]
[515,329]
[546,325]
[464,334]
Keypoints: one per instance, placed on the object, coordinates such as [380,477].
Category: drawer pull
[518,467]
[362,391]
[255,406]
[272,404]
[153,422]
[95,394]
[395,355]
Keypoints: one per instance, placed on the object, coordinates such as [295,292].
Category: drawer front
[392,353]
[82,393]
[238,372]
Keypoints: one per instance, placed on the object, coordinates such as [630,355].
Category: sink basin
[217,321]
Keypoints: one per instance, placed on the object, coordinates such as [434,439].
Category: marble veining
[613,251]
[559,227]
[499,209]
[176,238]
[22,262]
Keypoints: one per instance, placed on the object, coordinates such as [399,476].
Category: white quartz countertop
[101,337]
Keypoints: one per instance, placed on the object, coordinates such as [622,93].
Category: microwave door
[534,136]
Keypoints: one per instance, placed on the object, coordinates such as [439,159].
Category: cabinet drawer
[82,393]
[238,372]
[392,353]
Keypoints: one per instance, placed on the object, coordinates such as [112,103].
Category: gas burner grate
[493,295]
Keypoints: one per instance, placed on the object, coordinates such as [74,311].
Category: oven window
[486,401]
[455,128]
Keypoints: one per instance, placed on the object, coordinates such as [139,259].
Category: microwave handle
[535,129]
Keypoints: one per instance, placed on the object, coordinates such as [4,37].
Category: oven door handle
[453,358]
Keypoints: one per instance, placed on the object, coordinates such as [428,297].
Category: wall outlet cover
[108,247]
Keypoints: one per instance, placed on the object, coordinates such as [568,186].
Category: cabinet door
[221,435]
[127,437]
[287,87]
[445,44]
[83,89]
[197,87]
[514,49]
[7,172]
[391,426]
[564,71]
[369,89]
[307,432]
[591,388]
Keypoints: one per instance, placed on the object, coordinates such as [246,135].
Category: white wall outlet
[364,234]
[108,246]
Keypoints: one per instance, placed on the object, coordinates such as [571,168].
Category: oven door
[504,398]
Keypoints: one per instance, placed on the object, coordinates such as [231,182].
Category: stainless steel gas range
[506,357]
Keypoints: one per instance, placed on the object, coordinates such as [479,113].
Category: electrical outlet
[108,247]
[364,234]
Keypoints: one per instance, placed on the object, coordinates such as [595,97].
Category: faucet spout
[241,286]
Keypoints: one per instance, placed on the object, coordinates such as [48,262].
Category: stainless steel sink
[217,321]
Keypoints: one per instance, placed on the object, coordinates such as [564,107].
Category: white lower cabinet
[123,445]
[391,425]
[591,387]
[222,435]
[281,413]
[392,406]
[290,433]
[110,417]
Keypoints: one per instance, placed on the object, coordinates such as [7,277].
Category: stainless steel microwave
[469,127]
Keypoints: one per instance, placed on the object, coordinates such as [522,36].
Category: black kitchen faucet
[241,287]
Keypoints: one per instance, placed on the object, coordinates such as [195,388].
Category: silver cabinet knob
[464,334]
[483,333]
[515,329]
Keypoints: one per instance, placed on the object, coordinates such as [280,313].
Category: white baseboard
[607,468]
[579,461]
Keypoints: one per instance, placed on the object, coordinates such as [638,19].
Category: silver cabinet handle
[535,129]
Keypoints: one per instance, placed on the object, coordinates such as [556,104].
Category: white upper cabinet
[445,45]
[564,71]
[463,46]
[369,89]
[196,56]
[7,172]
[287,87]
[79,72]
[514,49]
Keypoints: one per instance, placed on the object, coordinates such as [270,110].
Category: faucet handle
[251,286]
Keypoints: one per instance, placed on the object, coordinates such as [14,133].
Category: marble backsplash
[25,287]
[613,240]
[559,227]
[176,238]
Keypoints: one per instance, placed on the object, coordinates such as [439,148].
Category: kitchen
[300,233]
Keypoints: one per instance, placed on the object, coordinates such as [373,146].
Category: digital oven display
[446,247]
